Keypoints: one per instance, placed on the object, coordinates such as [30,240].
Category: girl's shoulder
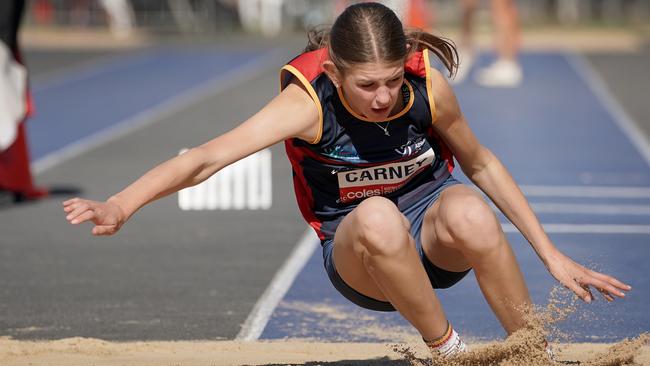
[306,67]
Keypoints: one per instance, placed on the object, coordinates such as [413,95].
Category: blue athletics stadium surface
[554,133]
[84,104]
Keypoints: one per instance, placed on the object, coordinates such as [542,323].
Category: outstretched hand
[579,279]
[107,216]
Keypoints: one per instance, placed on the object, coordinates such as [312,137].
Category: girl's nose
[382,98]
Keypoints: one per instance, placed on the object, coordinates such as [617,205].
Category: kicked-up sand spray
[527,346]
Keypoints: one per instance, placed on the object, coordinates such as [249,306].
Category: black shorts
[439,277]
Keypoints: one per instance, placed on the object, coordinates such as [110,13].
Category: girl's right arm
[291,114]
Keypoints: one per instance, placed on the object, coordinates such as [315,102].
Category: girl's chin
[379,113]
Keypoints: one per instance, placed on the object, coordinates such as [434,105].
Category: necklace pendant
[386,132]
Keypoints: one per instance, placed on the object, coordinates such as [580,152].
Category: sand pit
[526,347]
[85,351]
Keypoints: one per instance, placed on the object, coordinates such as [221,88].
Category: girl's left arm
[489,174]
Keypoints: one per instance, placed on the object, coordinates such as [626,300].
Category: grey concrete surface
[169,274]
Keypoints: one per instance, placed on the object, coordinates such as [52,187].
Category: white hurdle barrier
[244,185]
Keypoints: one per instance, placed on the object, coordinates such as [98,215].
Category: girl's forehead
[375,70]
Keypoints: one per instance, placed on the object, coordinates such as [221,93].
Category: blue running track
[550,132]
[82,105]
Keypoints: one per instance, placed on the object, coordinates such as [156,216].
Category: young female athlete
[371,131]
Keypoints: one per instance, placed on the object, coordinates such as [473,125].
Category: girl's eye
[366,85]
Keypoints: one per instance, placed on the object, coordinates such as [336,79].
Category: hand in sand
[107,216]
[579,279]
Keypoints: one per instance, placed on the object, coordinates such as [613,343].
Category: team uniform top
[351,159]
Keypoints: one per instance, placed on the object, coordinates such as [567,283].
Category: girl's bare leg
[506,22]
[460,230]
[468,9]
[375,254]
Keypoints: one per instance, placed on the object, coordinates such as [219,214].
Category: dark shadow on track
[10,199]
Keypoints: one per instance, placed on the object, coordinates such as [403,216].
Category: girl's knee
[468,222]
[381,227]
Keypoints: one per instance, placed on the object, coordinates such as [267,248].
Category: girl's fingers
[606,295]
[76,211]
[579,280]
[70,201]
[80,210]
[611,284]
[606,289]
[611,280]
[76,203]
[67,205]
[102,230]
[72,206]
[588,290]
[574,286]
[613,291]
[83,217]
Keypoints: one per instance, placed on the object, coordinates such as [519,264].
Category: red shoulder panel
[415,65]
[310,64]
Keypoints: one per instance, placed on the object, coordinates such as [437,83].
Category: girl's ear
[332,72]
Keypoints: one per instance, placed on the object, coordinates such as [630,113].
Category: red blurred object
[15,175]
[417,14]
[43,12]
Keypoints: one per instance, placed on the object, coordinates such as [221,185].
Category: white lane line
[218,84]
[261,313]
[586,209]
[585,191]
[625,123]
[585,229]
[591,209]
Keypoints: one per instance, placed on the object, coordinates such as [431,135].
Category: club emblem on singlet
[356,184]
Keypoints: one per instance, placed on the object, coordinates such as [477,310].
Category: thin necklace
[405,97]
[385,129]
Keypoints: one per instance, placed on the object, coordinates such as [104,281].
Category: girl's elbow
[200,162]
[477,162]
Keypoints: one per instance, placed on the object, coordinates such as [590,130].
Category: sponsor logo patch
[356,184]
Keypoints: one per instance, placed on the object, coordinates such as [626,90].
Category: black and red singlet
[351,159]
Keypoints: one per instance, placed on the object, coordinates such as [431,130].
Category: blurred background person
[184,15]
[506,70]
[15,107]
[413,13]
[263,15]
[120,17]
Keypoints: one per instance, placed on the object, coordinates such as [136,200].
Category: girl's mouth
[379,110]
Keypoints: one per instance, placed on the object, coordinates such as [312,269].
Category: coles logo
[378,180]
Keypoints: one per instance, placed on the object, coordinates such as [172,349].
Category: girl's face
[373,90]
